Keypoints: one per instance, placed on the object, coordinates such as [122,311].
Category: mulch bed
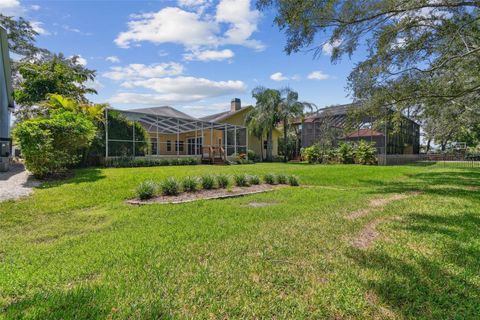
[207,194]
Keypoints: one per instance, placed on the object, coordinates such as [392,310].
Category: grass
[75,249]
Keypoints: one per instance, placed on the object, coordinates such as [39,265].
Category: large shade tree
[420,53]
[39,73]
[265,115]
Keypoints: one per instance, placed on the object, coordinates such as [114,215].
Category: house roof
[6,65]
[164,111]
[224,115]
[362,133]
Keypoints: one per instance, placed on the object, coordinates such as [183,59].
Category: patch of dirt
[208,194]
[259,204]
[473,188]
[368,235]
[378,203]
[396,197]
[373,300]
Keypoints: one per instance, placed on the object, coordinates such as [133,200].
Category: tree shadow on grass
[79,176]
[88,302]
[433,286]
[463,184]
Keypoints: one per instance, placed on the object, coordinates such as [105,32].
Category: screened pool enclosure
[167,132]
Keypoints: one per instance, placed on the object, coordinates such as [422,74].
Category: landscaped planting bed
[208,194]
[208,187]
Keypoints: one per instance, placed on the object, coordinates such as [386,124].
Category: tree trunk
[429,142]
[285,122]
[270,145]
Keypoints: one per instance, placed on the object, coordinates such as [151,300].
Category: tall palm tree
[288,108]
[264,117]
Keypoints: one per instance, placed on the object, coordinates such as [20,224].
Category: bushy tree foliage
[421,54]
[55,75]
[52,144]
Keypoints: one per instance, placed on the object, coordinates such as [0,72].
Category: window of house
[169,145]
[179,146]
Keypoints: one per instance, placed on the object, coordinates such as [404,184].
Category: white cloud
[140,71]
[242,22]
[278,76]
[318,75]
[75,30]
[113,59]
[328,47]
[35,7]
[191,3]
[196,88]
[209,55]
[177,90]
[232,23]
[11,7]
[169,25]
[38,27]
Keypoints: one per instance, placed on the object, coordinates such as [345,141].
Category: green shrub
[269,178]
[241,180]
[366,153]
[346,153]
[183,162]
[170,187]
[293,181]
[253,180]
[223,181]
[164,162]
[174,162]
[190,184]
[207,182]
[282,179]
[52,144]
[252,156]
[192,161]
[312,154]
[146,190]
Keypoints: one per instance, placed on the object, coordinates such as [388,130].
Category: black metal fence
[442,159]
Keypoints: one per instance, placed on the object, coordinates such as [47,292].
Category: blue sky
[194,55]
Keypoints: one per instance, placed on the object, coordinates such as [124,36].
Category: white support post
[158,139]
[211,134]
[246,138]
[235,140]
[106,134]
[133,139]
[178,137]
[225,142]
[195,144]
[201,151]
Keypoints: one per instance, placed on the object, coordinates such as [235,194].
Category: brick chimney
[235,105]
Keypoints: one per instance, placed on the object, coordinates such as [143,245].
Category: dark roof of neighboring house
[164,111]
[223,115]
[362,133]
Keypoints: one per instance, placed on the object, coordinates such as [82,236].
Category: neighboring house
[173,133]
[237,116]
[330,124]
[6,101]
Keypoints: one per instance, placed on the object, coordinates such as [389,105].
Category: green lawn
[75,249]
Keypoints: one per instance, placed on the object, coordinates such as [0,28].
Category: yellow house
[237,116]
[173,133]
